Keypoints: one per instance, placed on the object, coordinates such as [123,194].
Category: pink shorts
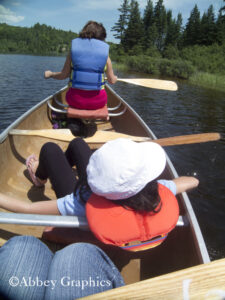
[83,99]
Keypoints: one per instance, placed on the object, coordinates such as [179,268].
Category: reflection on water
[189,110]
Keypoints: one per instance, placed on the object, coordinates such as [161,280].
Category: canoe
[184,246]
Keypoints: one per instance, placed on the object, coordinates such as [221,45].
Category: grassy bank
[212,81]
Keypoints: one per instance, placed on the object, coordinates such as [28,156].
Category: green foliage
[171,52]
[39,39]
[163,47]
[207,59]
[159,66]
[153,52]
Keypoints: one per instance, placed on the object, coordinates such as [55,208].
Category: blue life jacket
[89,57]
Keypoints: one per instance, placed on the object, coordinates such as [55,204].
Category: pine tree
[134,34]
[179,22]
[121,25]
[148,18]
[150,32]
[172,40]
[220,29]
[160,17]
[208,27]
[192,30]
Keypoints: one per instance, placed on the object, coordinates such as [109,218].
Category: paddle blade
[152,83]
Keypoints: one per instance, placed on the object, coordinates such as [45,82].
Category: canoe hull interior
[180,250]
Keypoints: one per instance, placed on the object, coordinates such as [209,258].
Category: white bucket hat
[121,168]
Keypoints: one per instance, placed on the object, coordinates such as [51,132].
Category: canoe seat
[103,113]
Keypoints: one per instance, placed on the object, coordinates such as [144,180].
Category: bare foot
[32,165]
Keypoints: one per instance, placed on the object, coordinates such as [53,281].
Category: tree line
[156,43]
[39,39]
[158,29]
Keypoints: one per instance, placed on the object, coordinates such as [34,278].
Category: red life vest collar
[113,224]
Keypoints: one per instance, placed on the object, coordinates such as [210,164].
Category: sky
[74,14]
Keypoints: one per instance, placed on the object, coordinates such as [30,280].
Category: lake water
[189,110]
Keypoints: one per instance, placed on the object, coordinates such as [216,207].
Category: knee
[83,249]
[49,148]
[76,142]
[24,240]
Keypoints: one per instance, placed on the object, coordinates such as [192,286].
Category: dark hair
[93,30]
[147,199]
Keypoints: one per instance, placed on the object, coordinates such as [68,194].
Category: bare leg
[185,183]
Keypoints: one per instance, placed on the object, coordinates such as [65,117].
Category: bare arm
[41,207]
[185,183]
[65,73]
[109,72]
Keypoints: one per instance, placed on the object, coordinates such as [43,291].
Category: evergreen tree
[179,22]
[169,39]
[220,29]
[121,25]
[208,27]
[160,17]
[148,18]
[134,34]
[173,36]
[150,32]
[192,30]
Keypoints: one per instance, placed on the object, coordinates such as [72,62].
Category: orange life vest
[113,224]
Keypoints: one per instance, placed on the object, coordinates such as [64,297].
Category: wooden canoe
[184,247]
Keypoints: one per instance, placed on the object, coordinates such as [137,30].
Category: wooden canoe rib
[184,247]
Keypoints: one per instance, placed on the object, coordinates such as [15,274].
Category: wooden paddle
[151,83]
[101,137]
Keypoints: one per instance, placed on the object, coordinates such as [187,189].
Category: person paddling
[85,65]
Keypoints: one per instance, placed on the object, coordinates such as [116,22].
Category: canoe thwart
[43,220]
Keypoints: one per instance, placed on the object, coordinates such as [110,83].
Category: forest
[39,40]
[158,43]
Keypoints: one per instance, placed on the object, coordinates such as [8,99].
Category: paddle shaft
[101,137]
